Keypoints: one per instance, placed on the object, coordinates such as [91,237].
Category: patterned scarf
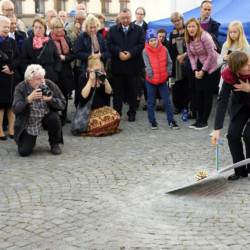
[94,42]
[38,41]
[61,43]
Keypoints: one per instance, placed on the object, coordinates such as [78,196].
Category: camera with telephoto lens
[100,76]
[45,90]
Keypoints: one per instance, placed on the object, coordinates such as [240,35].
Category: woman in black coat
[235,93]
[40,49]
[90,42]
[9,76]
[65,49]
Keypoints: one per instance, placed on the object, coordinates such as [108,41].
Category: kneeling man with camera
[36,102]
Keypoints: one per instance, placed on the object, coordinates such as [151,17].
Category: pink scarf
[60,41]
[38,41]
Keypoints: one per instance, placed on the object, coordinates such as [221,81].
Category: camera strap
[39,56]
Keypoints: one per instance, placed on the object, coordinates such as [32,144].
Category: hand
[243,86]
[226,57]
[200,74]
[127,55]
[99,55]
[36,94]
[46,98]
[77,28]
[6,70]
[62,57]
[181,58]
[215,137]
[92,76]
[122,56]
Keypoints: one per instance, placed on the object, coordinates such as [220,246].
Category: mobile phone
[96,51]
[229,52]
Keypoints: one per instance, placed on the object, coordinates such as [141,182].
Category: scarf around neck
[61,43]
[38,41]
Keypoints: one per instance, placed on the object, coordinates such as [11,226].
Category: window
[18,6]
[105,6]
[81,1]
[123,4]
[60,4]
[39,6]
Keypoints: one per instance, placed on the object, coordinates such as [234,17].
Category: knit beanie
[151,33]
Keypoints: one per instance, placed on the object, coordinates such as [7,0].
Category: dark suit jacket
[19,38]
[213,27]
[133,42]
[144,26]
[231,99]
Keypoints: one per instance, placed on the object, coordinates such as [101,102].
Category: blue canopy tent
[224,12]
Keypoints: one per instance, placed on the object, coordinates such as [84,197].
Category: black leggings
[239,127]
[50,122]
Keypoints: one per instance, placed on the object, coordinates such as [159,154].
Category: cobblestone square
[109,192]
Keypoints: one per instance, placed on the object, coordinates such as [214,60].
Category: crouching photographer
[36,102]
[92,117]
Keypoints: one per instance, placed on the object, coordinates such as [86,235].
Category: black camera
[96,51]
[45,90]
[3,57]
[100,75]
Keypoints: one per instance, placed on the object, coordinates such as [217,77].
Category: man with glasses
[140,14]
[8,8]
[126,41]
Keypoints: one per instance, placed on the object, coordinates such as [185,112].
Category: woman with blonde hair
[103,119]
[90,42]
[203,58]
[236,40]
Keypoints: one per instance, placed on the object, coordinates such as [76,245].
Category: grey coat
[21,107]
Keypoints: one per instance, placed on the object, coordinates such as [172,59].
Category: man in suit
[140,14]
[126,41]
[15,34]
[63,16]
[208,23]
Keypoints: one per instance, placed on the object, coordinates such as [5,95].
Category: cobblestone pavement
[109,193]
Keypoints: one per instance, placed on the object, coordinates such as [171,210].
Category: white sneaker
[211,134]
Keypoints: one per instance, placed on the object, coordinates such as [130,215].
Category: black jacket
[21,107]
[66,77]
[83,47]
[9,82]
[144,26]
[133,42]
[234,100]
[20,36]
[213,27]
[49,59]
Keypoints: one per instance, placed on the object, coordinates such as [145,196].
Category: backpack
[217,43]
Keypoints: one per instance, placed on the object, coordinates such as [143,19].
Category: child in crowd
[158,67]
[236,40]
[235,94]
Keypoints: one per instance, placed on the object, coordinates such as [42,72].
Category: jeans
[50,122]
[164,92]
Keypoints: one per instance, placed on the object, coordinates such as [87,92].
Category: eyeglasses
[176,21]
[58,27]
[9,9]
[126,18]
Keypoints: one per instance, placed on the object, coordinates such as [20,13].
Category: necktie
[125,30]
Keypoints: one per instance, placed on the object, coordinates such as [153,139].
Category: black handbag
[82,116]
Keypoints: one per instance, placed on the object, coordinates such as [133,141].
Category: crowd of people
[40,67]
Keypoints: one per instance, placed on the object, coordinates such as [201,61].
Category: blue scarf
[4,40]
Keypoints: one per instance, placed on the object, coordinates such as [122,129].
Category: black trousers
[119,83]
[204,105]
[180,94]
[239,127]
[50,122]
[191,90]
